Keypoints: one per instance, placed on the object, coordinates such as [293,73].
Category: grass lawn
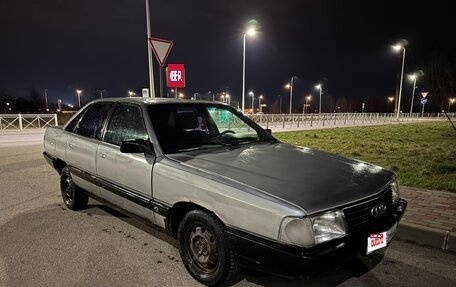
[422,154]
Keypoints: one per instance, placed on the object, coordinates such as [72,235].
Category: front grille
[359,215]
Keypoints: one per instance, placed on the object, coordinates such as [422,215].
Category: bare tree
[442,77]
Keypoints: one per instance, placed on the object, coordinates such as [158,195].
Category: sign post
[423,102]
[161,50]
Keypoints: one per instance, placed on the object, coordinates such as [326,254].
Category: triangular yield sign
[161,49]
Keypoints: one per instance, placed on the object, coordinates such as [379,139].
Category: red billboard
[175,76]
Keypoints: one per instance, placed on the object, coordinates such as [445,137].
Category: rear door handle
[70,145]
[103,155]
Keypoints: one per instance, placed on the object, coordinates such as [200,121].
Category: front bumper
[272,257]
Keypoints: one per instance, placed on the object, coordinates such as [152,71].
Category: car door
[82,145]
[125,179]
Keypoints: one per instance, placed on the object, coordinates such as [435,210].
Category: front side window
[186,127]
[92,122]
[72,124]
[126,123]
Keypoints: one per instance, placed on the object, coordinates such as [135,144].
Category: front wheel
[72,196]
[204,249]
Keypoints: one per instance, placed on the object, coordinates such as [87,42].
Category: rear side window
[92,122]
[126,123]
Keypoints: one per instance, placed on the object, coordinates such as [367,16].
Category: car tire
[205,250]
[73,197]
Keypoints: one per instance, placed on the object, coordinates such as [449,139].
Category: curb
[423,235]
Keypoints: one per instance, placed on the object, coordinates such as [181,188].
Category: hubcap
[68,190]
[203,249]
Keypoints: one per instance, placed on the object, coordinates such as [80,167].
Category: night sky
[101,45]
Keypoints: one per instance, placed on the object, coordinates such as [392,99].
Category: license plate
[380,240]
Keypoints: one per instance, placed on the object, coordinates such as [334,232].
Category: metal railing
[277,121]
[336,119]
[27,121]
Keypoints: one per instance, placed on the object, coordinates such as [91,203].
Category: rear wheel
[204,249]
[73,197]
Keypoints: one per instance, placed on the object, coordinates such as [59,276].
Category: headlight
[307,232]
[297,231]
[395,189]
[329,226]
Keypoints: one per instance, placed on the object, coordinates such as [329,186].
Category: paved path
[430,218]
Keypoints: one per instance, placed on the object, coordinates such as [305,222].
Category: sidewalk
[430,218]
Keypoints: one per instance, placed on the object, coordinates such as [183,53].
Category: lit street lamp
[290,86]
[308,98]
[397,48]
[259,103]
[450,102]
[250,32]
[46,99]
[390,100]
[413,78]
[181,95]
[253,103]
[131,94]
[79,92]
[319,87]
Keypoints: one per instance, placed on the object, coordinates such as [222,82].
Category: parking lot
[42,243]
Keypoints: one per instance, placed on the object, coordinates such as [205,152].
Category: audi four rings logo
[378,210]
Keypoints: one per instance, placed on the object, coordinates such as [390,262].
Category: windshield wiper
[243,140]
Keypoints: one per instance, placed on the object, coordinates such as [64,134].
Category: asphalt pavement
[42,243]
[430,218]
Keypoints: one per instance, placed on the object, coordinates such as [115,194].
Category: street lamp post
[319,87]
[307,103]
[250,32]
[450,102]
[397,48]
[290,86]
[413,78]
[259,103]
[79,98]
[228,100]
[390,100]
[46,99]
[149,53]
[253,103]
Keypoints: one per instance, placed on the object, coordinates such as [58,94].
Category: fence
[27,121]
[277,121]
[336,119]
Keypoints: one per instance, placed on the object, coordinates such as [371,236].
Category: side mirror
[269,131]
[136,146]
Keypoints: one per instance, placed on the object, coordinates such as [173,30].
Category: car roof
[152,101]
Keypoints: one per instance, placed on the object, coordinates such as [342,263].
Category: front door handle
[103,155]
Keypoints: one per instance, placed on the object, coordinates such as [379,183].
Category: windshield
[186,127]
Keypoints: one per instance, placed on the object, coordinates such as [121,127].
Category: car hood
[312,179]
